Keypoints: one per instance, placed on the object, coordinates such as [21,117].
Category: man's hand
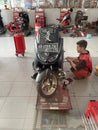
[69,59]
[72,59]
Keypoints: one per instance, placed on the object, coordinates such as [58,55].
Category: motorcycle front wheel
[48,86]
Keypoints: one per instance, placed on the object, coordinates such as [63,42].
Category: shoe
[77,78]
[34,76]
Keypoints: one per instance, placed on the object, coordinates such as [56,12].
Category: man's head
[71,10]
[5,6]
[81,46]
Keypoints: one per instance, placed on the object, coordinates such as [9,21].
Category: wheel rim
[48,88]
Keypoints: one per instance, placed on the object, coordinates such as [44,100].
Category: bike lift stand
[60,101]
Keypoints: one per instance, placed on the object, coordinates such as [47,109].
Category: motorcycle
[48,61]
[65,19]
[2,27]
[13,27]
[21,24]
[80,20]
[25,22]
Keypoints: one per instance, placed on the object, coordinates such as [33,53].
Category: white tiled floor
[18,92]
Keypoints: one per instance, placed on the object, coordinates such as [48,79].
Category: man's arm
[73,64]
[81,64]
[72,58]
[76,63]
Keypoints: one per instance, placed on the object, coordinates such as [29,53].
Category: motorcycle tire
[45,88]
[2,31]
[61,58]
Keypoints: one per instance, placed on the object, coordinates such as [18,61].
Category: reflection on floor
[18,92]
[58,120]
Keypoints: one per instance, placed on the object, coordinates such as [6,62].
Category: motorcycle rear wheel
[48,86]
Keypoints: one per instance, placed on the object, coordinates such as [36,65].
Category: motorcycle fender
[41,75]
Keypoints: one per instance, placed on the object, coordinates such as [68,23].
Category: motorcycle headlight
[42,57]
[52,58]
[45,57]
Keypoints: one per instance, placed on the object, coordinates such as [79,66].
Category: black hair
[71,9]
[82,43]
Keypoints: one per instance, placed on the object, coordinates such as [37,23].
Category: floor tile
[95,87]
[11,124]
[7,48]
[23,76]
[5,88]
[21,89]
[7,76]
[28,124]
[75,109]
[83,88]
[31,108]
[14,107]
[2,101]
[34,89]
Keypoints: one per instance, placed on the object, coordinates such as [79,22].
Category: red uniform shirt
[85,62]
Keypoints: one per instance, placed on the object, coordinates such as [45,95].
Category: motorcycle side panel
[41,75]
[19,43]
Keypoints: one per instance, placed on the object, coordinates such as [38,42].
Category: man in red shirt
[81,66]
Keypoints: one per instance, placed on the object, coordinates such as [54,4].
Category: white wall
[7,16]
[31,14]
[92,14]
[51,15]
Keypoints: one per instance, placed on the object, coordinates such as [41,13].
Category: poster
[28,3]
[16,3]
[1,4]
[4,2]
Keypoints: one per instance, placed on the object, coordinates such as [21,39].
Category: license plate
[52,47]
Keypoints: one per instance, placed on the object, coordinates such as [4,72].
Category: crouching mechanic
[81,66]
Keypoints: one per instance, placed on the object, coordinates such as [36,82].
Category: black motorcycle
[20,24]
[80,20]
[48,60]
[2,27]
[24,22]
